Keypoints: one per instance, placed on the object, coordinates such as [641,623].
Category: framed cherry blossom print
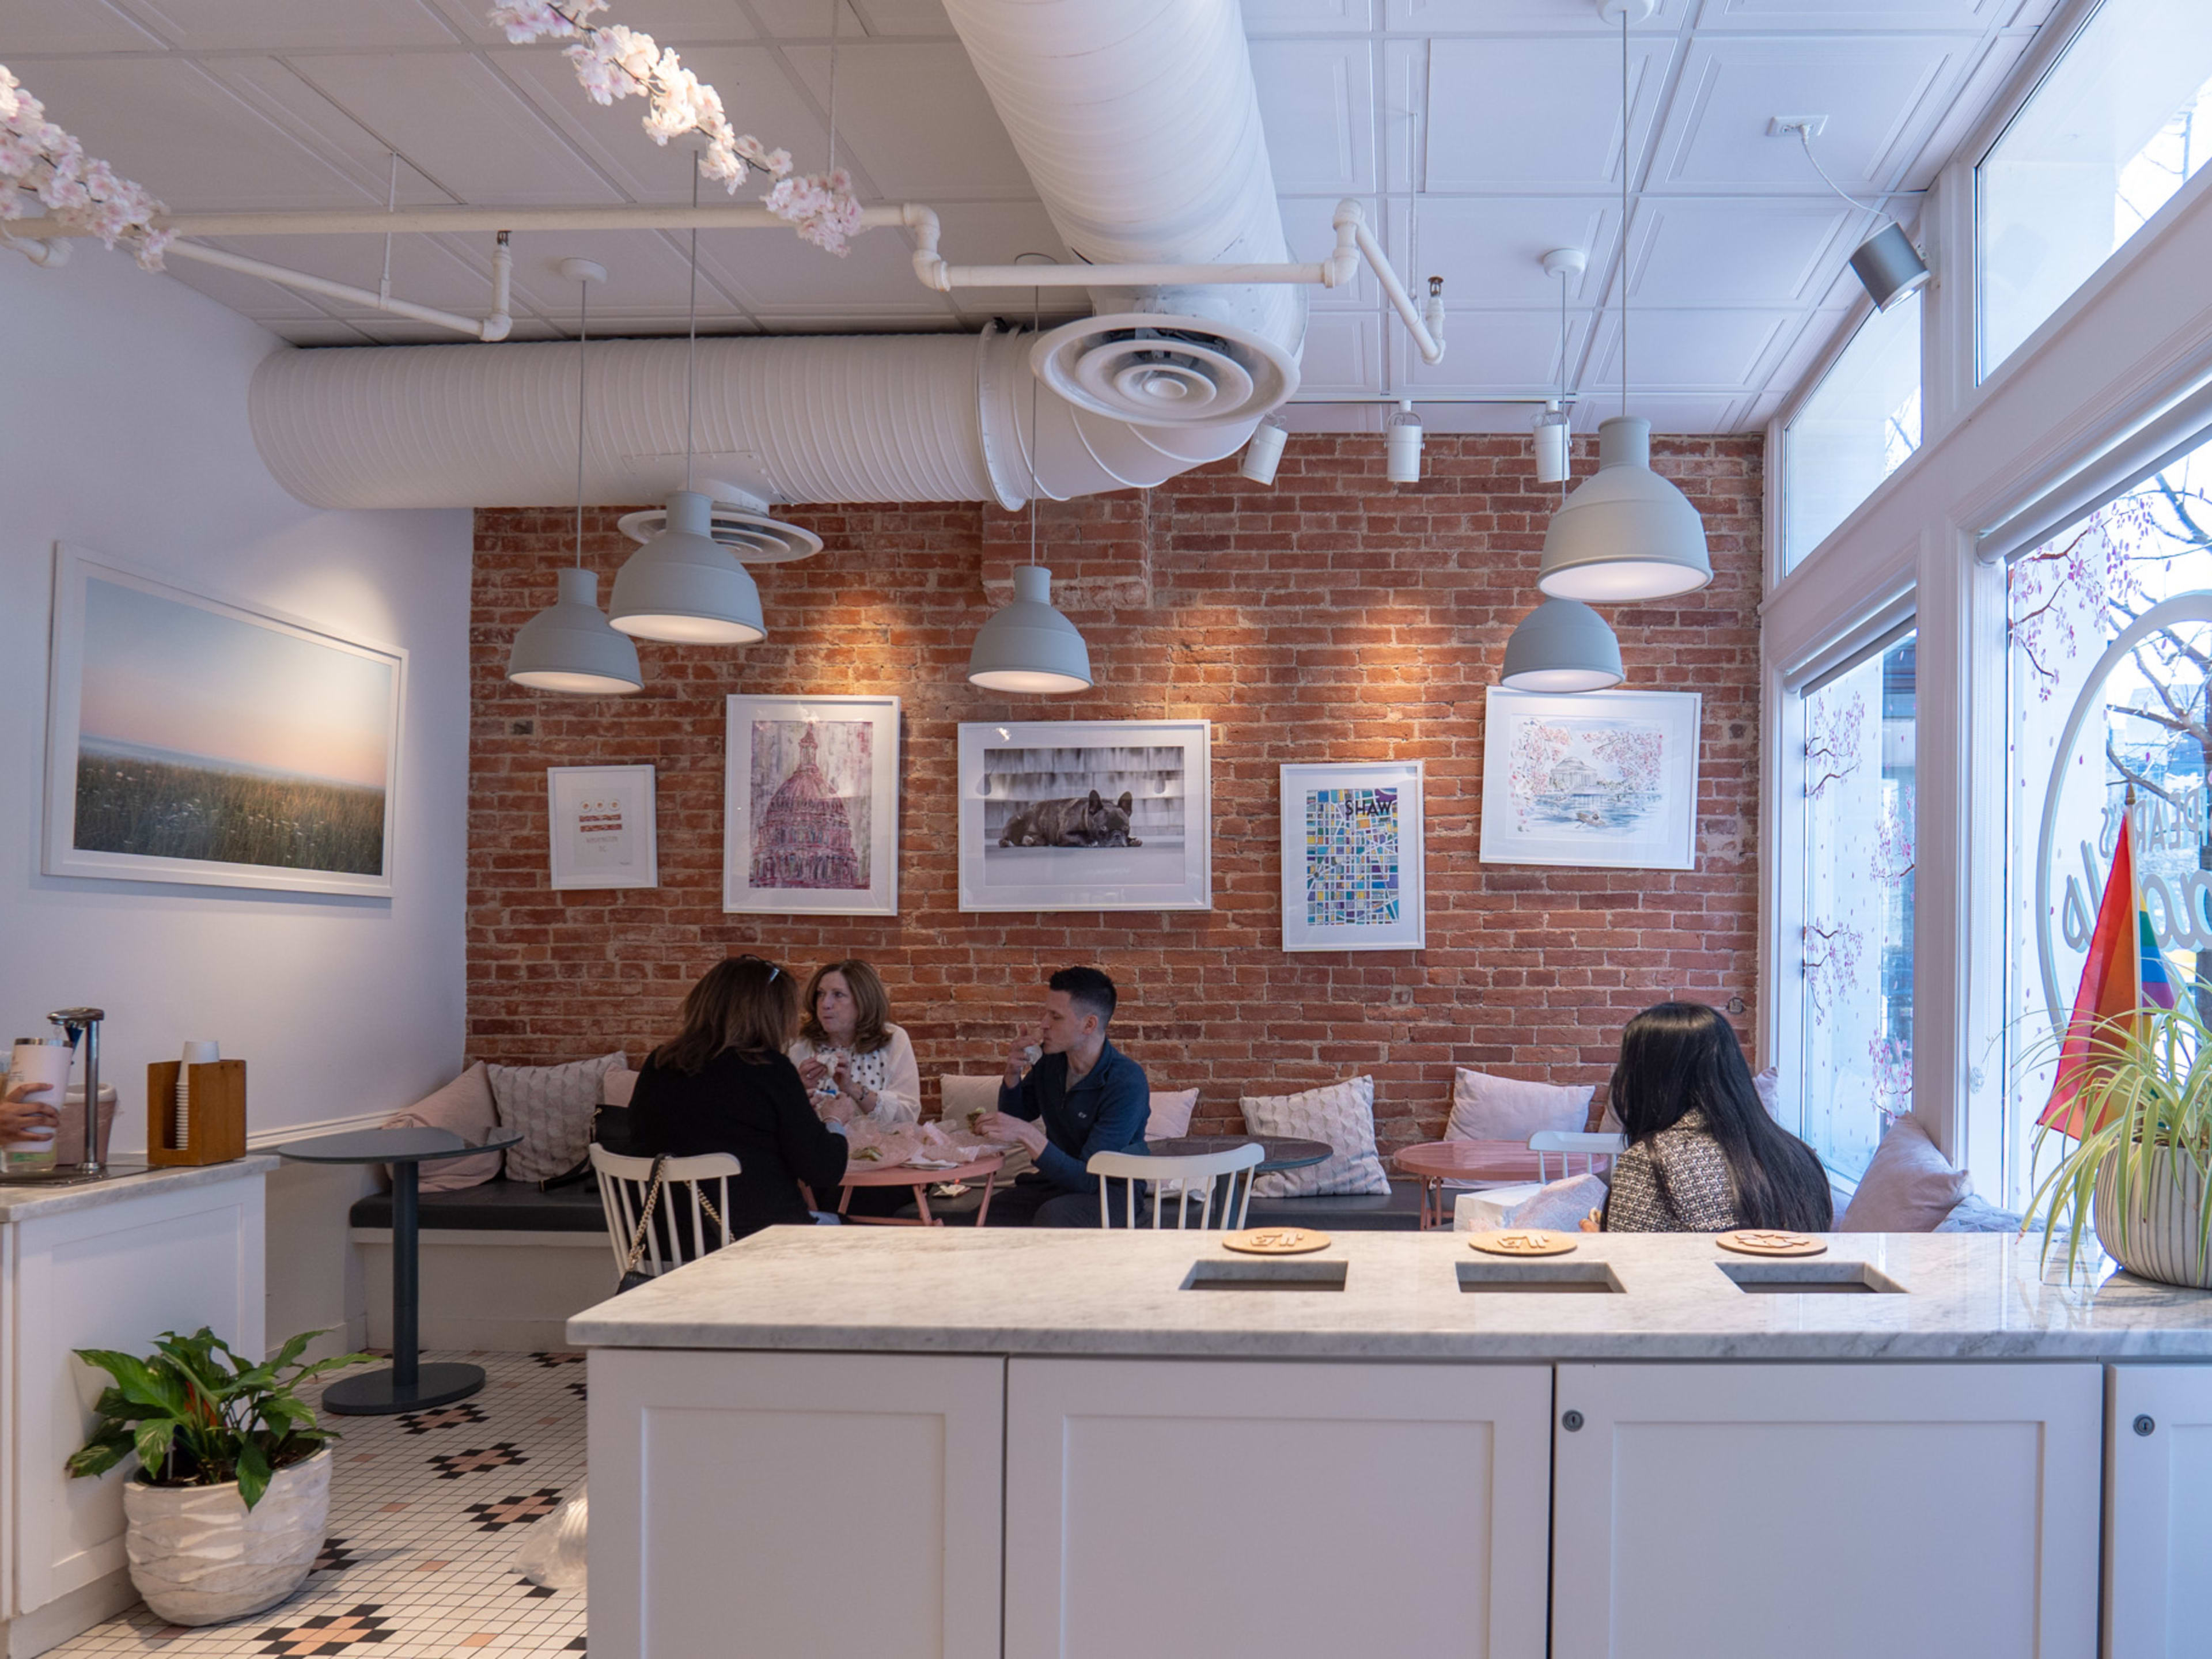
[1599,779]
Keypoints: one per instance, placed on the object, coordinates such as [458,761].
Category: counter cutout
[1809,1279]
[1264,1273]
[1555,1278]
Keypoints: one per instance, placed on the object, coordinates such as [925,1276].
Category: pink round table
[985,1170]
[1495,1162]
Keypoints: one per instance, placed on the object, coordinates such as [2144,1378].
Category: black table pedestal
[408,1385]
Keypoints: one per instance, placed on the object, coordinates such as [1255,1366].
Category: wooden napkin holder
[215,1113]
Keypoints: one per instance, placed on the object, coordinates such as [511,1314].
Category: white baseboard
[508,1292]
[29,1634]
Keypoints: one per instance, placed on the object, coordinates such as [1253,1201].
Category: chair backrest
[1571,1143]
[624,1183]
[1190,1176]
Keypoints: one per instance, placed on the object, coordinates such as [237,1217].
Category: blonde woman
[854,1063]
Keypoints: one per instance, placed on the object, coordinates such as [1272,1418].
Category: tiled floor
[426,1514]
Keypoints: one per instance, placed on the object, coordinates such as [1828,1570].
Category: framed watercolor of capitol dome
[810,822]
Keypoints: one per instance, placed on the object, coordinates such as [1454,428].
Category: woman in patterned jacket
[1703,1155]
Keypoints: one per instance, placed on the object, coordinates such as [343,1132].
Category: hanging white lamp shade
[569,647]
[1626,534]
[1562,646]
[1028,645]
[683,587]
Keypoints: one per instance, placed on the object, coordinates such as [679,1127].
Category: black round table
[1282,1151]
[407,1385]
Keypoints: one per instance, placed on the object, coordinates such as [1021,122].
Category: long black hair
[1680,1056]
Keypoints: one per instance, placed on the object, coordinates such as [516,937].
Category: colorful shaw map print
[1351,858]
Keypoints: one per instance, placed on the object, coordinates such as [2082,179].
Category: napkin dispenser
[215,1114]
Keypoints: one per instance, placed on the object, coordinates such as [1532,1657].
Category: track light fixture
[1886,263]
[1401,446]
[1264,454]
[1551,426]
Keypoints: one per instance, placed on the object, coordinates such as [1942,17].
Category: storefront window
[1855,999]
[2122,122]
[2092,718]
[1857,426]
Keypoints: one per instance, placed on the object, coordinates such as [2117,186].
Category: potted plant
[2142,1099]
[226,1512]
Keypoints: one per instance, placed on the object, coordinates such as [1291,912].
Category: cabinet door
[2158,1471]
[1826,1512]
[1302,1511]
[807,1506]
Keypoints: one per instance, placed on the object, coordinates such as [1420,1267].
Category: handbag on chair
[632,1276]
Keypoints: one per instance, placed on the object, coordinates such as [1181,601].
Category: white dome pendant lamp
[683,587]
[569,647]
[1562,646]
[1027,646]
[1626,534]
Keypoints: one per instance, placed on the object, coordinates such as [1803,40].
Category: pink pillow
[617,1086]
[464,1107]
[1487,1108]
[1909,1188]
[1171,1111]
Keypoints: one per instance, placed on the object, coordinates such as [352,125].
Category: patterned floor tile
[419,1558]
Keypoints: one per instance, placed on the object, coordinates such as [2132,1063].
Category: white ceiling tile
[250,297]
[1668,412]
[1344,353]
[1555,17]
[462,125]
[272,87]
[1689,350]
[1263,18]
[1404,112]
[1309,225]
[645,273]
[38,26]
[1532,114]
[167,124]
[288,25]
[1738,249]
[917,119]
[773,273]
[1332,417]
[898,17]
[1317,104]
[671,22]
[425,270]
[807,20]
[1442,420]
[1489,250]
[1776,16]
[1509,352]
[1881,94]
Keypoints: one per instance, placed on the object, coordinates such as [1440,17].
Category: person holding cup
[28,1125]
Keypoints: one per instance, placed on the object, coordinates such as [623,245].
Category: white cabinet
[807,1506]
[2158,1475]
[1302,1511]
[1913,1511]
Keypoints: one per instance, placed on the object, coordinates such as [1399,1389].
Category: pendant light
[1562,646]
[1626,534]
[570,646]
[683,585]
[1027,646]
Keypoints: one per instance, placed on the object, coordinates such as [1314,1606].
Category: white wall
[123,431]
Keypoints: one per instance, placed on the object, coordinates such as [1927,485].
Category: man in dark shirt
[1083,1096]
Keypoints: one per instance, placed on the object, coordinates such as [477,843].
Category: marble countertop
[22,1203]
[1964,1295]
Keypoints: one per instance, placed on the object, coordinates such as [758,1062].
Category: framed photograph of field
[1352,875]
[1086,815]
[810,823]
[603,831]
[1599,779]
[193,740]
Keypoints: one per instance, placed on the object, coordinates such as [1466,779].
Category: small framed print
[1599,779]
[1352,858]
[810,801]
[604,830]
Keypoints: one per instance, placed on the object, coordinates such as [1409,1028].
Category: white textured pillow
[1487,1108]
[551,1106]
[1171,1110]
[1341,1114]
[959,1099]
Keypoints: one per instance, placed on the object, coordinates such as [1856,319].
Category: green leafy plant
[2148,1092]
[197,1415]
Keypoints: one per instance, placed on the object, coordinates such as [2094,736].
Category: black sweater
[757,1109]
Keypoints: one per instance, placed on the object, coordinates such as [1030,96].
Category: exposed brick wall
[1333,617]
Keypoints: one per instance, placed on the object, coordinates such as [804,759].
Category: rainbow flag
[2124,972]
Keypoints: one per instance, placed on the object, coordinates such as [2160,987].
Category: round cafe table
[1493,1163]
[407,1385]
[985,1169]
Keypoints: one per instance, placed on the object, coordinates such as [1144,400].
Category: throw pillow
[1487,1108]
[1909,1188]
[1171,1110]
[551,1107]
[1341,1114]
[617,1086]
[961,1099]
[465,1106]
[1768,1083]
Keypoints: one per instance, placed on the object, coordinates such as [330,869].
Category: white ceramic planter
[199,1556]
[2156,1236]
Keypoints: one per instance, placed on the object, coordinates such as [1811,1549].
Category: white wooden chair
[623,1184]
[1571,1144]
[1194,1178]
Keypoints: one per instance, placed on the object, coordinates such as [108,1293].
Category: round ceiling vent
[752,537]
[1153,370]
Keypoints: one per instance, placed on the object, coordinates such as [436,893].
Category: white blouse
[890,1071]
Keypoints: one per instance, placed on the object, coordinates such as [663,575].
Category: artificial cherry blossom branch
[613,61]
[37,158]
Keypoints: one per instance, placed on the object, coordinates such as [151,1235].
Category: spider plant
[197,1415]
[2145,1099]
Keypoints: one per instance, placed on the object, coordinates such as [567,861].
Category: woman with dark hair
[852,1059]
[722,1085]
[1703,1155]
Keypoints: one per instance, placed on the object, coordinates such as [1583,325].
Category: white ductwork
[1139,124]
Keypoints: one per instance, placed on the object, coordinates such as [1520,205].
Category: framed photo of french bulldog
[810,806]
[1086,815]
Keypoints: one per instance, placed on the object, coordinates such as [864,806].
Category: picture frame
[1597,780]
[810,822]
[1086,815]
[603,829]
[1354,867]
[200,741]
